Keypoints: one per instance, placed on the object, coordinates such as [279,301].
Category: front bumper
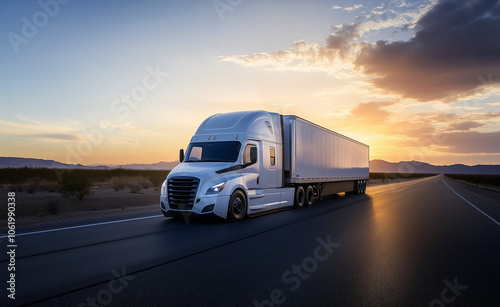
[206,205]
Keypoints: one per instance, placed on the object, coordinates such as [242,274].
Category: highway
[423,242]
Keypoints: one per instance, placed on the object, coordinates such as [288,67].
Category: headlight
[164,188]
[216,188]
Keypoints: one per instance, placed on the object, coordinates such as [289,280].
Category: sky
[116,82]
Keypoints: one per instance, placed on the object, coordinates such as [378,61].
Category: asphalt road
[415,243]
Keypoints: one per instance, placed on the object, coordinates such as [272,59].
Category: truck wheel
[237,208]
[309,199]
[356,189]
[300,197]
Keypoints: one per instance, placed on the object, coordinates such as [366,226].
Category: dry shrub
[134,187]
[134,183]
[143,181]
[119,183]
[73,184]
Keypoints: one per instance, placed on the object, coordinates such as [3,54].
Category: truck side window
[272,155]
[247,153]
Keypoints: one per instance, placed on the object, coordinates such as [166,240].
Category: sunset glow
[120,82]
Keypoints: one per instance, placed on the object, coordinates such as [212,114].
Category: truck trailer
[249,163]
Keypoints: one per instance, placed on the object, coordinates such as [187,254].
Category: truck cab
[233,167]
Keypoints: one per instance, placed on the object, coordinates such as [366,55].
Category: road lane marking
[86,225]
[472,204]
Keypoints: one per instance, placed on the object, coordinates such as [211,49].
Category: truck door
[268,169]
[260,196]
[251,171]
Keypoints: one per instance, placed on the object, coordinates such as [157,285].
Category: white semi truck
[248,163]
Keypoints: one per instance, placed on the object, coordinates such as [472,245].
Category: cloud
[390,128]
[300,57]
[337,56]
[343,37]
[371,111]
[352,8]
[47,130]
[456,43]
[415,130]
[471,142]
[492,114]
[454,53]
[465,126]
[348,9]
[55,136]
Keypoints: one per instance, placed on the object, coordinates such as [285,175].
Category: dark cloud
[456,42]
[342,38]
[493,114]
[465,126]
[471,142]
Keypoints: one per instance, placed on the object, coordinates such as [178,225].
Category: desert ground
[41,205]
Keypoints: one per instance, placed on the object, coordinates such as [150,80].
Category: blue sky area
[116,82]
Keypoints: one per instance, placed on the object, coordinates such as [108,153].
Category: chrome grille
[182,192]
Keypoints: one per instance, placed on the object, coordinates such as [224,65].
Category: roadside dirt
[43,206]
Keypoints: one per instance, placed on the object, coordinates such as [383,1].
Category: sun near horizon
[124,82]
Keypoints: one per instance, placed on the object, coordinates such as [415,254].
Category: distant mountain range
[381,166]
[376,166]
[11,162]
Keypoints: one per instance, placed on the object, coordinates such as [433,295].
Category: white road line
[83,226]
[472,204]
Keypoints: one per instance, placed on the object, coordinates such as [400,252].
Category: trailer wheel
[300,197]
[355,190]
[237,208]
[309,199]
[364,186]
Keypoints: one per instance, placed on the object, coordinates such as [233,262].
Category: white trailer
[248,163]
[322,161]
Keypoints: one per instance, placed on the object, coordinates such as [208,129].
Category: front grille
[182,192]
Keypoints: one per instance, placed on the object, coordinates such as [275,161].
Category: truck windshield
[213,152]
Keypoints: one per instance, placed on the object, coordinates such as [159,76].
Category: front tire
[237,208]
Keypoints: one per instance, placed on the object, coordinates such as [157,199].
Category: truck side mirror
[253,155]
[181,155]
